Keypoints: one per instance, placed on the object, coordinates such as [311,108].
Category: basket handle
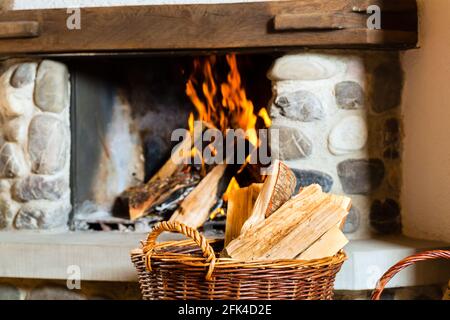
[174,226]
[427,255]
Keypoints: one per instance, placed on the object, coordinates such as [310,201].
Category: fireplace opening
[124,114]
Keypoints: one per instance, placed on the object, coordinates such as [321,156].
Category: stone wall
[338,120]
[34,145]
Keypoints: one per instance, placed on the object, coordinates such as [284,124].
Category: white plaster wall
[42,4]
[426,107]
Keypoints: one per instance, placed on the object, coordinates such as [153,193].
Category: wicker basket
[424,256]
[189,269]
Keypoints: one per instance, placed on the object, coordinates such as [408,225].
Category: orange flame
[231,109]
[234,110]
[233,185]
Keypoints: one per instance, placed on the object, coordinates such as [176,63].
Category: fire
[224,106]
[230,109]
[233,185]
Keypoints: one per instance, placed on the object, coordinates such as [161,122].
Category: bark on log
[277,189]
[142,198]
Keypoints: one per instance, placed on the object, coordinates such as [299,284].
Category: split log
[240,206]
[326,246]
[245,239]
[332,241]
[195,209]
[277,189]
[293,228]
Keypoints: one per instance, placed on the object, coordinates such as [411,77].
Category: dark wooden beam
[19,29]
[214,27]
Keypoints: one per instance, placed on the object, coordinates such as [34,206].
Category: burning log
[240,206]
[169,179]
[277,189]
[195,209]
[142,198]
[175,162]
[293,228]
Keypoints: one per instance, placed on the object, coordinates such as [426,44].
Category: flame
[233,185]
[224,106]
[191,124]
[265,116]
[217,213]
[232,109]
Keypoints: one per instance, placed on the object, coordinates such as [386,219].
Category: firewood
[317,223]
[291,229]
[240,206]
[175,162]
[169,178]
[332,241]
[307,194]
[277,189]
[142,198]
[345,205]
[326,246]
[195,209]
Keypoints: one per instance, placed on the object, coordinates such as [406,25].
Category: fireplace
[88,113]
[336,114]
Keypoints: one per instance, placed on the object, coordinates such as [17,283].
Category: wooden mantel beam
[271,24]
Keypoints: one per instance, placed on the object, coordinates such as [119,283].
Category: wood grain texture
[326,246]
[277,189]
[240,206]
[293,228]
[197,26]
[317,21]
[385,5]
[19,29]
[195,208]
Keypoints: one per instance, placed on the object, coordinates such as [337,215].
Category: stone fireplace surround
[337,113]
[363,253]
[35,151]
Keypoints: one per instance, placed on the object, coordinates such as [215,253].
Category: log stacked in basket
[281,225]
[265,221]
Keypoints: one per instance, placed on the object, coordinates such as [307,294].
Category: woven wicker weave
[408,261]
[189,269]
